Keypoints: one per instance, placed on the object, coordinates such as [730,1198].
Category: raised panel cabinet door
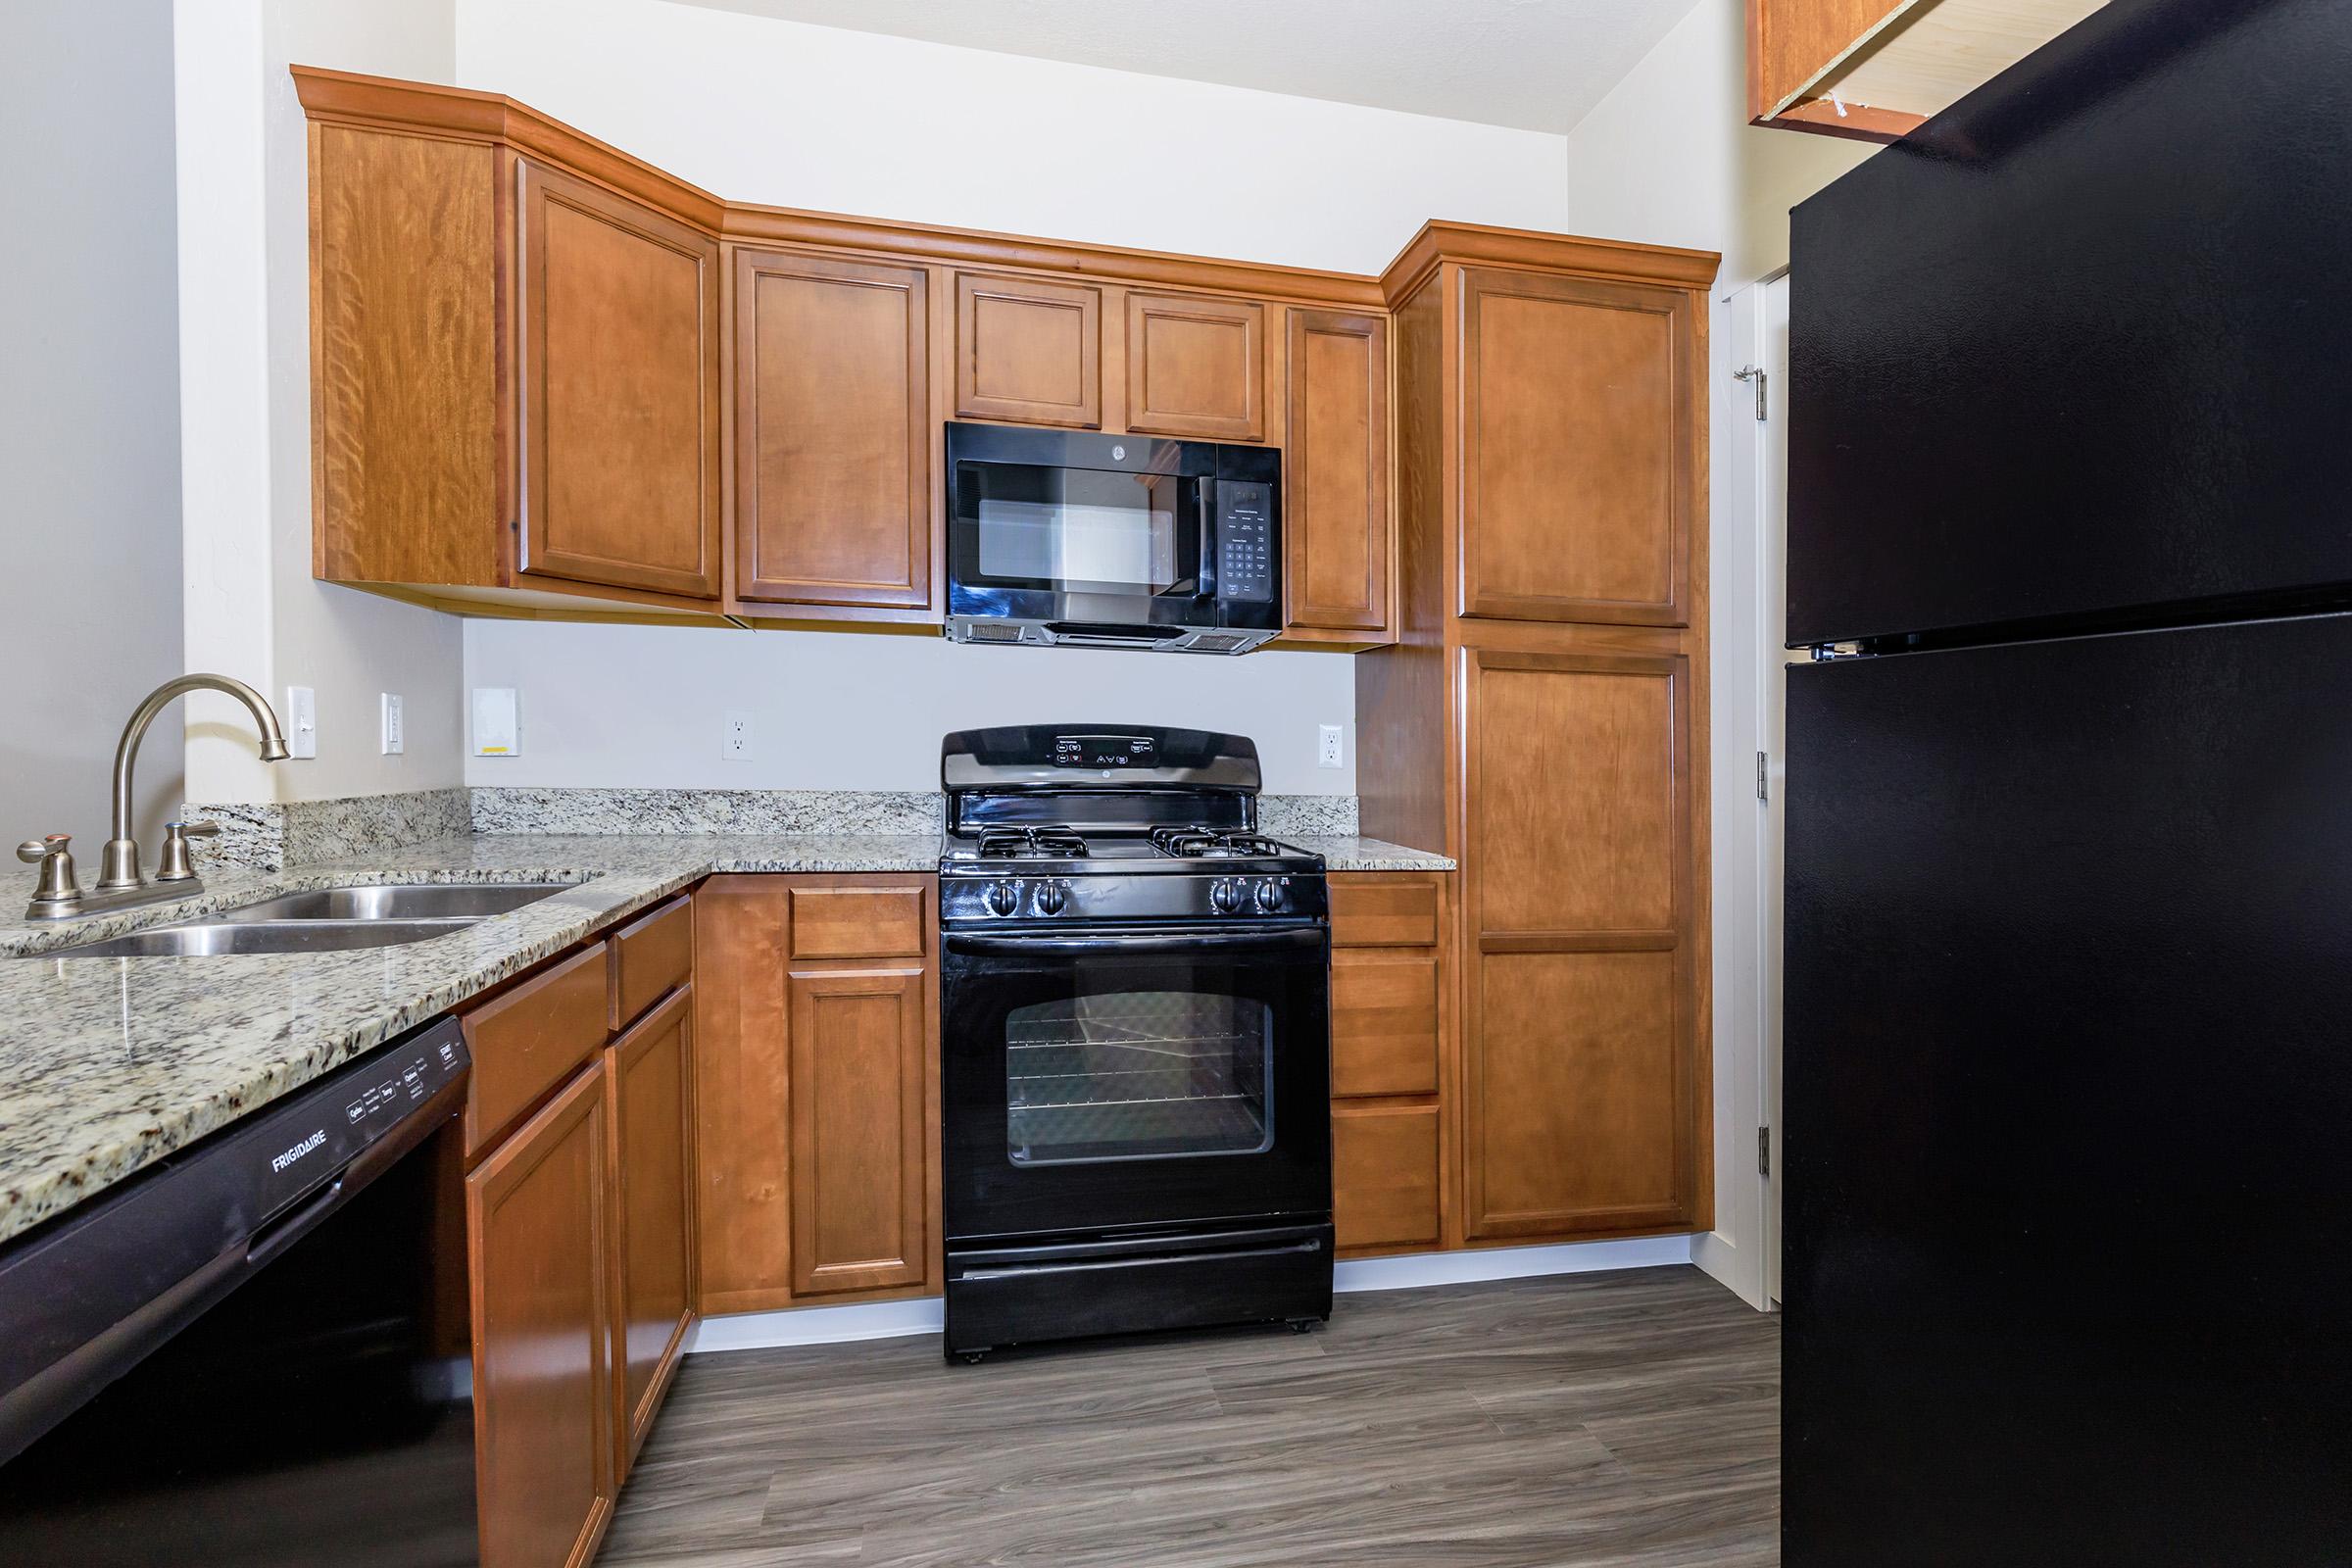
[858,1164]
[1579,458]
[742,1099]
[648,1083]
[1580,1037]
[1578,1104]
[618,391]
[536,1221]
[1384,1175]
[1335,525]
[1197,367]
[1028,350]
[832,433]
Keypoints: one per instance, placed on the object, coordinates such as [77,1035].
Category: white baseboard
[1413,1270]
[884,1320]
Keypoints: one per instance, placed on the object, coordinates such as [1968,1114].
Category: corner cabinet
[579,1230]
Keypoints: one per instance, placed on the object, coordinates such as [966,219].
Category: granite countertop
[107,1064]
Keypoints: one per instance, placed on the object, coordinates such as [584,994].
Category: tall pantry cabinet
[1542,716]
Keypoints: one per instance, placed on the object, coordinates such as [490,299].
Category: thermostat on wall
[495,732]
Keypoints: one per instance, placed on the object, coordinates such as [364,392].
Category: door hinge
[1755,373]
[1763,779]
[1764,1152]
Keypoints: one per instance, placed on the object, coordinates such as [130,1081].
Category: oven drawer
[1014,1294]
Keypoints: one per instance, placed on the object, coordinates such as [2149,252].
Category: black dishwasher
[256,1351]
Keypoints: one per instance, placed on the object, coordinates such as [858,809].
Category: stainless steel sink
[324,920]
[208,937]
[408,900]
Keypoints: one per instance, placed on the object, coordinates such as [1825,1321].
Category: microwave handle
[1205,575]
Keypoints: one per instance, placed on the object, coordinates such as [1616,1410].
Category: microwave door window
[1078,530]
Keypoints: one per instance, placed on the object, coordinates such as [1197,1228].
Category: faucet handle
[173,864]
[54,855]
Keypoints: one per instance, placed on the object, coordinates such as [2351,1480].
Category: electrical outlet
[735,737]
[302,721]
[394,742]
[1331,747]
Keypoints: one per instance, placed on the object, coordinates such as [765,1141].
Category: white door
[1772,590]
[1749,375]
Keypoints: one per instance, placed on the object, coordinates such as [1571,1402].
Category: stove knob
[1225,895]
[1051,898]
[1269,895]
[1004,898]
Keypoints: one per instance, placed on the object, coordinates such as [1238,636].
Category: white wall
[1669,157]
[89,411]
[252,606]
[760,110]
[642,705]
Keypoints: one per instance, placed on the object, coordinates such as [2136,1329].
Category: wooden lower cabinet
[816,1062]
[649,1082]
[579,1230]
[536,1219]
[1388,1061]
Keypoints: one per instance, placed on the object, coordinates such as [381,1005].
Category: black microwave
[1111,541]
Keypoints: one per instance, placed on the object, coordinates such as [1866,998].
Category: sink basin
[323,920]
[409,900]
[207,937]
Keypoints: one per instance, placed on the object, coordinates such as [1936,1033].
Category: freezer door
[2068,1103]
[2078,346]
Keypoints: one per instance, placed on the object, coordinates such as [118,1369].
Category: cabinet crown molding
[387,103]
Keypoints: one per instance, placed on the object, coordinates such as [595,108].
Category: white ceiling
[1537,64]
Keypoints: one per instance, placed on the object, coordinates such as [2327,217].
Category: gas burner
[1208,843]
[1025,843]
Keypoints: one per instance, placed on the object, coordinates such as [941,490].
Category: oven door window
[1137,1075]
[1079,530]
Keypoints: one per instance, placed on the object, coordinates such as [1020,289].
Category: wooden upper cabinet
[1196,368]
[1579,449]
[1028,350]
[1875,70]
[619,389]
[833,433]
[535,1213]
[1337,532]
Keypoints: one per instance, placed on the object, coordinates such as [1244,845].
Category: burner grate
[1019,843]
[1208,843]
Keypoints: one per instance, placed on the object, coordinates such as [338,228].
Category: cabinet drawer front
[532,1038]
[1382,914]
[885,922]
[1383,1022]
[1196,368]
[1028,350]
[650,958]
[1384,1175]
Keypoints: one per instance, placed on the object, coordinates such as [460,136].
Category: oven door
[1134,1077]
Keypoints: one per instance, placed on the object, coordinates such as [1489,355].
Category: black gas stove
[1135,993]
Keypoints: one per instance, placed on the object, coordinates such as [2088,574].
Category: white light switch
[495,730]
[302,721]
[1330,746]
[394,743]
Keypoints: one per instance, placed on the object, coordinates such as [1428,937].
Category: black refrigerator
[2068,1065]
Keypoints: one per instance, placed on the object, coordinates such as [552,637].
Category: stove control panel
[985,897]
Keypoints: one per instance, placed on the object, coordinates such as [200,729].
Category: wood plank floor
[1622,1419]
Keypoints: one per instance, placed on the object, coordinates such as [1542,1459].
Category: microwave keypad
[1244,542]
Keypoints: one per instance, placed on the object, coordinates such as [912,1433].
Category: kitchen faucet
[120,882]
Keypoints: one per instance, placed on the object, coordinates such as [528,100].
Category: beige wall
[89,441]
